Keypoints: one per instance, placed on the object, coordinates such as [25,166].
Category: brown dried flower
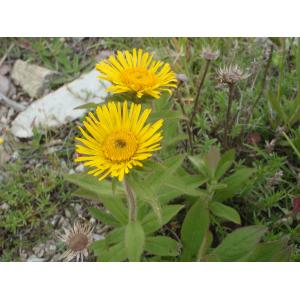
[77,239]
[208,54]
[231,75]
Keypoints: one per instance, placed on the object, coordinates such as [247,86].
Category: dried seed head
[78,242]
[208,54]
[181,78]
[231,75]
[270,145]
[77,239]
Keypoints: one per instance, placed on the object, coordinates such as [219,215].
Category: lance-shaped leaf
[134,241]
[226,212]
[194,229]
[162,246]
[239,243]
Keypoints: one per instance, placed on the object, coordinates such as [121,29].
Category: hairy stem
[196,103]
[228,116]
[131,202]
[188,128]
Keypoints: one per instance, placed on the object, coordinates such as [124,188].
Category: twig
[6,54]
[16,106]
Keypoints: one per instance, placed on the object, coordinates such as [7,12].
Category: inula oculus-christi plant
[141,179]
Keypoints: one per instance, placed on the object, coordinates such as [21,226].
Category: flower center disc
[78,242]
[138,78]
[120,146]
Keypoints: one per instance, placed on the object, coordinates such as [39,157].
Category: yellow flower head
[116,139]
[136,72]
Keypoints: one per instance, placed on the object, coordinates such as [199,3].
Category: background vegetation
[264,132]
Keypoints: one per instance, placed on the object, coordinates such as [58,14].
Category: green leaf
[225,212]
[162,246]
[199,164]
[174,140]
[150,222]
[115,253]
[187,185]
[104,217]
[145,193]
[115,236]
[162,171]
[98,245]
[91,183]
[235,184]
[225,163]
[278,251]
[238,243]
[275,103]
[89,106]
[134,241]
[166,195]
[212,159]
[91,188]
[194,229]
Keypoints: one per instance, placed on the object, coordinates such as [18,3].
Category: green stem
[291,144]
[131,202]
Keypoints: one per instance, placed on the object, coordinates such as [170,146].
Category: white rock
[34,258]
[4,85]
[98,237]
[32,78]
[4,206]
[57,108]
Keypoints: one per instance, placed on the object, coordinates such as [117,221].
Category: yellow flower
[117,139]
[137,73]
[1,140]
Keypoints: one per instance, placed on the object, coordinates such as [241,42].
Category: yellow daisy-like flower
[116,139]
[137,72]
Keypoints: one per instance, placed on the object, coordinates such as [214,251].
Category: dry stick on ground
[6,54]
[196,103]
[263,85]
[16,106]
[228,115]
